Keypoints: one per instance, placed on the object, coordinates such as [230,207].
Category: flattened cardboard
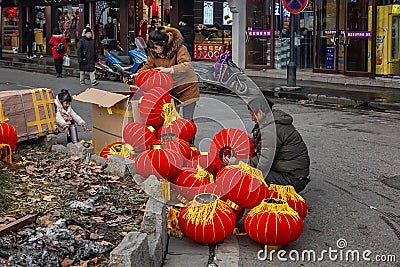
[100,97]
[109,115]
[30,112]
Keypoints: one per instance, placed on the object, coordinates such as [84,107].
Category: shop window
[68,17]
[208,14]
[227,14]
[10,28]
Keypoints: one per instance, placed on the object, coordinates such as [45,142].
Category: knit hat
[88,30]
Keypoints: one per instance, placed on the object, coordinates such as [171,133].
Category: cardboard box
[110,112]
[31,112]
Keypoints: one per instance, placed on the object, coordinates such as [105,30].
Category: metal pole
[291,69]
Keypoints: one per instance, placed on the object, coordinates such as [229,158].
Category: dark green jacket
[283,152]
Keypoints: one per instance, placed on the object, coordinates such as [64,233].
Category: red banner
[208,51]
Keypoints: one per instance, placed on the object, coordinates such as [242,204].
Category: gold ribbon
[169,114]
[165,188]
[5,153]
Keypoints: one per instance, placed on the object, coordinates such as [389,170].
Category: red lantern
[243,185]
[163,163]
[273,223]
[118,148]
[213,165]
[180,146]
[138,136]
[211,188]
[148,2]
[182,128]
[158,79]
[153,105]
[207,219]
[8,135]
[143,76]
[288,193]
[233,143]
[189,180]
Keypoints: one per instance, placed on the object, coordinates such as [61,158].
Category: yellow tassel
[286,192]
[203,212]
[256,173]
[202,173]
[165,188]
[169,114]
[124,150]
[173,223]
[277,206]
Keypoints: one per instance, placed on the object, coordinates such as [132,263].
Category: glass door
[327,36]
[357,36]
[259,34]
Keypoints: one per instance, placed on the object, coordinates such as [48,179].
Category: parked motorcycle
[104,71]
[224,73]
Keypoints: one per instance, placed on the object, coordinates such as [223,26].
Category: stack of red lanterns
[214,193]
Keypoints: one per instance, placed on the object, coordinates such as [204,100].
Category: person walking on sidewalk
[58,50]
[87,57]
[29,36]
[284,162]
[188,35]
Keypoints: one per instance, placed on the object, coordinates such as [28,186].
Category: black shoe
[95,83]
[59,76]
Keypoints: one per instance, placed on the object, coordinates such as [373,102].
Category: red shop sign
[208,51]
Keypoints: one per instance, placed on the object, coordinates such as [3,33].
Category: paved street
[353,153]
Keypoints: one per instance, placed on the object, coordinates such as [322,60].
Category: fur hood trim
[175,41]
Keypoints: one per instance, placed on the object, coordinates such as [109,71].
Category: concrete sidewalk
[332,89]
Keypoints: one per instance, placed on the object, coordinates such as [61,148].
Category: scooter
[116,58]
[224,73]
[104,71]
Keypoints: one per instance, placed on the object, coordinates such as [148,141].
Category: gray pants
[283,179]
[92,76]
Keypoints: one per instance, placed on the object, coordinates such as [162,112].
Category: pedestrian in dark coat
[281,153]
[58,58]
[87,57]
[188,35]
[29,36]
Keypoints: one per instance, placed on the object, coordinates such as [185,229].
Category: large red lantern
[158,79]
[138,136]
[143,76]
[152,106]
[211,188]
[182,128]
[207,219]
[288,193]
[243,185]
[211,164]
[188,181]
[163,163]
[232,143]
[176,144]
[118,148]
[273,223]
[8,135]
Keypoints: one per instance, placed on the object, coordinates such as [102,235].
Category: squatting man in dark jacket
[281,153]
[87,57]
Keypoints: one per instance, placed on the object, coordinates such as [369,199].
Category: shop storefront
[10,28]
[354,38]
[213,29]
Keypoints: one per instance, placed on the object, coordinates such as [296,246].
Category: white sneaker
[34,56]
[41,56]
